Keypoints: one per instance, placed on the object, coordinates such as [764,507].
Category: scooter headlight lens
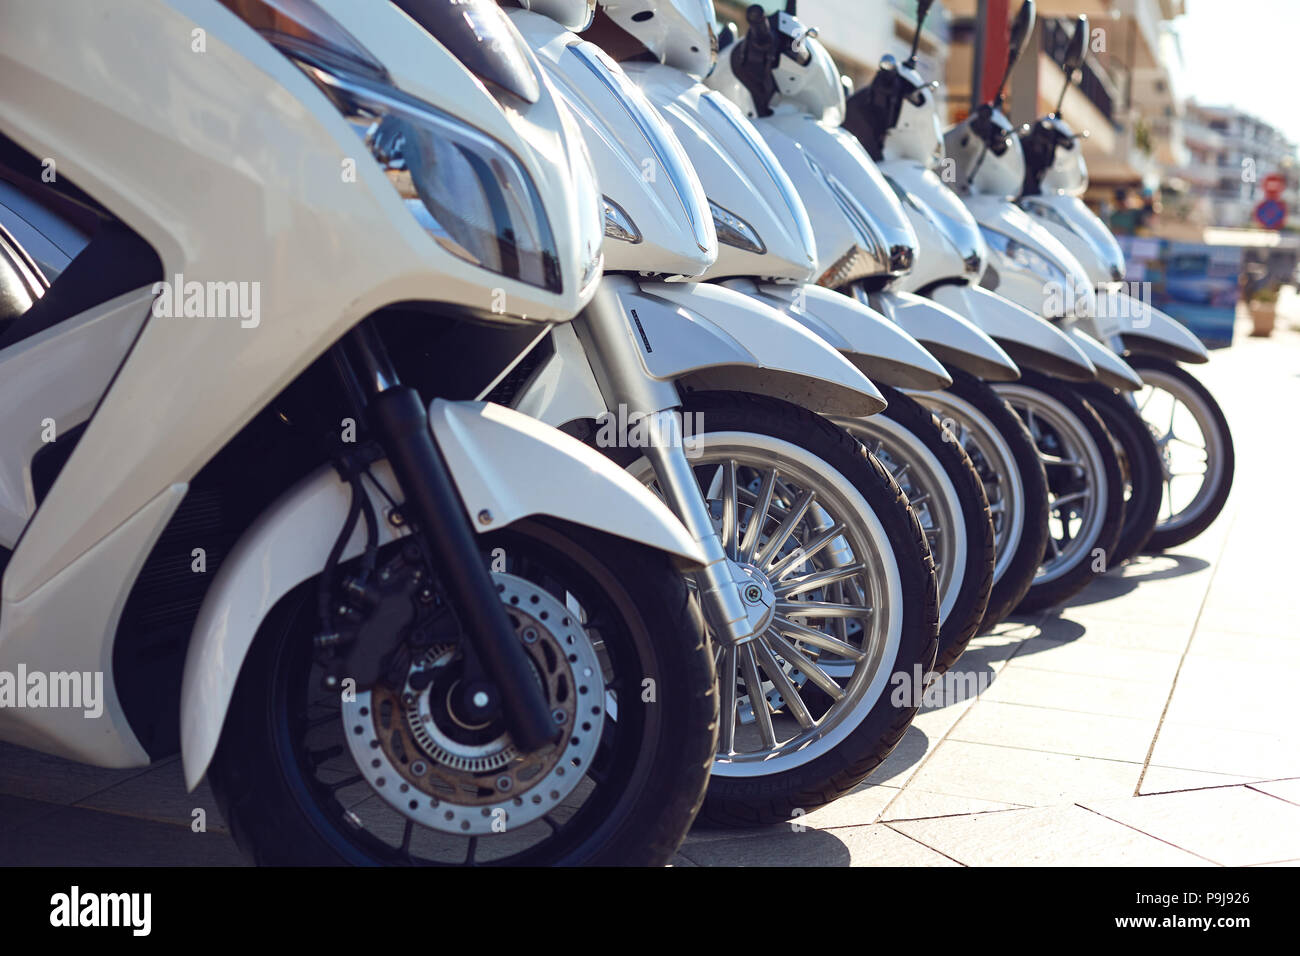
[734,231]
[467,190]
[618,224]
[1019,255]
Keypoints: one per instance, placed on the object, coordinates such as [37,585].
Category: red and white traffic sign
[1274,184]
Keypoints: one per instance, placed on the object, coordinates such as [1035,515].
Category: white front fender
[1028,338]
[953,338]
[707,336]
[1148,331]
[502,462]
[883,351]
[1112,370]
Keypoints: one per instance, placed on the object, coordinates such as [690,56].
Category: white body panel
[159,423]
[739,173]
[950,244]
[1075,296]
[877,226]
[948,334]
[244,184]
[701,336]
[639,162]
[57,375]
[487,448]
[69,625]
[1027,337]
[1080,230]
[881,349]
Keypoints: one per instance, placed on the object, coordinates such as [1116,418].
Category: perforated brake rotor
[450,774]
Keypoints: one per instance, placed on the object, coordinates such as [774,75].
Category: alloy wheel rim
[1186,436]
[930,493]
[1076,478]
[996,465]
[821,548]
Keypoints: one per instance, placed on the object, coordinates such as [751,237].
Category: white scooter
[1191,434]
[819,588]
[1028,266]
[769,253]
[406,636]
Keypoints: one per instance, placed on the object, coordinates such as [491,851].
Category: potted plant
[1262,303]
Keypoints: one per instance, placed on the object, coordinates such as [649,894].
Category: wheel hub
[756,593]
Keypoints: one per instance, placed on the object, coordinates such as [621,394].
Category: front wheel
[1142,465]
[843,601]
[395,772]
[1084,481]
[945,491]
[1197,455]
[979,420]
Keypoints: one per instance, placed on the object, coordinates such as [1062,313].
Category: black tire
[658,766]
[1010,589]
[1164,538]
[1077,575]
[1140,460]
[772,798]
[967,613]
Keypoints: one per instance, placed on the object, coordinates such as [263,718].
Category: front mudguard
[705,336]
[950,336]
[1028,338]
[880,349]
[495,456]
[1148,331]
[1112,370]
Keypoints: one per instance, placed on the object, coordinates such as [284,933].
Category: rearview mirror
[922,9]
[1020,30]
[1077,50]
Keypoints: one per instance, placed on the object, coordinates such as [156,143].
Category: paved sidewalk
[1150,721]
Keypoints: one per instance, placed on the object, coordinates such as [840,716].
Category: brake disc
[454,775]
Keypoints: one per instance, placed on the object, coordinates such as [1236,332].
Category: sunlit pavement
[1152,720]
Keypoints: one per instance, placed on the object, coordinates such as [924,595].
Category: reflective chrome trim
[784,187]
[657,136]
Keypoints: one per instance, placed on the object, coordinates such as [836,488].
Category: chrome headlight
[734,231]
[618,224]
[1019,255]
[468,191]
[869,255]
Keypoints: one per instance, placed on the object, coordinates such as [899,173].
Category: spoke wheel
[1196,450]
[945,491]
[1085,485]
[842,595]
[972,414]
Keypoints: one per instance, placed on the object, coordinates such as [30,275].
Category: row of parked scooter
[498,434]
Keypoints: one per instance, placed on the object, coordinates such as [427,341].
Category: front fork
[498,675]
[612,350]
